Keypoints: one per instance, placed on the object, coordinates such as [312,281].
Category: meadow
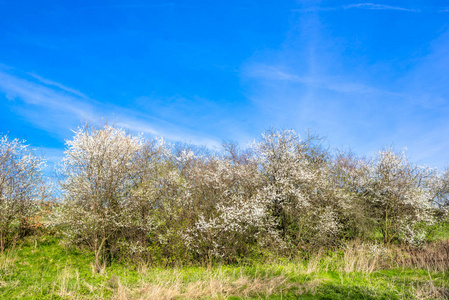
[40,268]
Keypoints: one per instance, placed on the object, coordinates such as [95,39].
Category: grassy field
[42,269]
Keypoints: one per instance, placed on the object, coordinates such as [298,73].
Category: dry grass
[214,289]
[430,291]
[7,260]
[367,258]
[359,257]
[216,284]
[434,257]
[64,286]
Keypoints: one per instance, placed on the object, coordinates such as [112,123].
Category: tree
[21,187]
[294,176]
[98,173]
[399,195]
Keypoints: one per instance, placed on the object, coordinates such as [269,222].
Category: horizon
[364,75]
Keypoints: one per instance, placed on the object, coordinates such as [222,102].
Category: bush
[129,198]
[98,174]
[21,188]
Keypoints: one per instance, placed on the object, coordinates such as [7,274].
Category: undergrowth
[43,269]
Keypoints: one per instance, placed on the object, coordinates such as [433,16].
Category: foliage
[399,196]
[21,188]
[128,198]
[98,173]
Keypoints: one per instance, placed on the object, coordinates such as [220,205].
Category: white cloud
[56,84]
[331,83]
[371,6]
[56,108]
[376,6]
[64,105]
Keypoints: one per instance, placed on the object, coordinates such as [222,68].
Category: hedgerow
[126,197]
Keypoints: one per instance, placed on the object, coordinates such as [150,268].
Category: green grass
[46,270]
[442,231]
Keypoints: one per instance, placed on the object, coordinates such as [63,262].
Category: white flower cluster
[399,193]
[233,227]
[21,186]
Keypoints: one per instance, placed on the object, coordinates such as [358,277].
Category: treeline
[125,197]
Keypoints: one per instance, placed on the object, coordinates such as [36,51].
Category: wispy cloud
[36,94]
[58,85]
[330,83]
[57,108]
[370,6]
[313,81]
[376,6]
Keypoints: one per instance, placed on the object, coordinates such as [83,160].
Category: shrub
[21,187]
[130,198]
[399,195]
[98,173]
[227,219]
[295,185]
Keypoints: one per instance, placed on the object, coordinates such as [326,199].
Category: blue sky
[366,75]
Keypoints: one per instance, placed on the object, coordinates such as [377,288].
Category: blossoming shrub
[21,187]
[98,173]
[295,185]
[229,219]
[440,188]
[399,196]
[130,198]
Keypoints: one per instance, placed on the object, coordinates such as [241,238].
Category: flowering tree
[21,186]
[98,172]
[229,219]
[295,186]
[440,186]
[232,230]
[400,196]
